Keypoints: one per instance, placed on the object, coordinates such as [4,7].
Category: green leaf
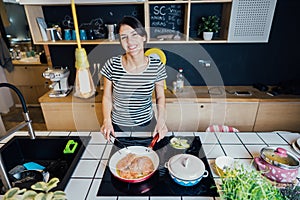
[43,196]
[12,193]
[29,195]
[52,184]
[40,186]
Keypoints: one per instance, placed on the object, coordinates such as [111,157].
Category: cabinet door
[26,76]
[239,115]
[182,116]
[283,116]
[72,116]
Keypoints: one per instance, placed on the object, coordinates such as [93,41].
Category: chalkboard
[166,19]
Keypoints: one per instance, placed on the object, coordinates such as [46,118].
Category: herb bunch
[240,183]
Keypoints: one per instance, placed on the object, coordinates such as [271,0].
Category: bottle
[180,80]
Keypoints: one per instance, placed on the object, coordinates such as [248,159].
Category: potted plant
[208,26]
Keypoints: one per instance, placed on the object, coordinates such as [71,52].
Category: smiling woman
[129,82]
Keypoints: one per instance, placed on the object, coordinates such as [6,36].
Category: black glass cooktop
[160,184]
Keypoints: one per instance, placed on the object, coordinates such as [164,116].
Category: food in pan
[133,166]
[179,143]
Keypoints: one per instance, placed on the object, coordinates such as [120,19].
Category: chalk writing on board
[166,19]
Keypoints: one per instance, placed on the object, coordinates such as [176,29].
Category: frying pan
[139,151]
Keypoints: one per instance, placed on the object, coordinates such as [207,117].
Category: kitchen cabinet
[198,116]
[29,80]
[192,110]
[180,16]
[72,116]
[281,116]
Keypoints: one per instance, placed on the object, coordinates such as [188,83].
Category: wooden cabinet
[198,116]
[166,19]
[186,112]
[278,116]
[72,116]
[29,80]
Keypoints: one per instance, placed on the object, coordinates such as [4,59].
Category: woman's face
[131,41]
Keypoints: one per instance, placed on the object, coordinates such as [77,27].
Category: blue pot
[186,169]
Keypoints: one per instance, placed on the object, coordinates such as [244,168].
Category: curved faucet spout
[27,120]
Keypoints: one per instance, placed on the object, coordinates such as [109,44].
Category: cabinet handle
[92,105]
[202,106]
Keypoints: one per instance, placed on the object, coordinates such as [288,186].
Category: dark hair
[133,23]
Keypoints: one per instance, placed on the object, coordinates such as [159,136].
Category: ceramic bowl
[222,163]
[186,169]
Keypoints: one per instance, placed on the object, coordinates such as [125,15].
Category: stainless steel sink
[58,154]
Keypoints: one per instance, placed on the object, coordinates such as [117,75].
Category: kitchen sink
[58,154]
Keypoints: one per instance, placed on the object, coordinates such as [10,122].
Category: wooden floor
[15,116]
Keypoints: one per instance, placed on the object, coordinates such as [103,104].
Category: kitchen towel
[221,128]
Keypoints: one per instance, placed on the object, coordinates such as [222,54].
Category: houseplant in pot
[208,26]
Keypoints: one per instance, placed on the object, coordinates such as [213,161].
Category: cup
[82,35]
[73,35]
[90,34]
[67,35]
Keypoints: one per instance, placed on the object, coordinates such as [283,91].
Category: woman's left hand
[161,129]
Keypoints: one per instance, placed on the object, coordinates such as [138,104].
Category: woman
[129,83]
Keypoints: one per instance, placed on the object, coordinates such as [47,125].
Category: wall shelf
[170,17]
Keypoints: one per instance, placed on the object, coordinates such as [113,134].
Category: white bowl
[223,163]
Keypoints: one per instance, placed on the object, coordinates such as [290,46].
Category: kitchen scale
[160,184]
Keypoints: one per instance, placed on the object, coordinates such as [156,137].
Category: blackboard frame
[167,20]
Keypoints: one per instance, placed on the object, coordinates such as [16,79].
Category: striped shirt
[132,92]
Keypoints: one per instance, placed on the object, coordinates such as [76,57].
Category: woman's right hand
[107,129]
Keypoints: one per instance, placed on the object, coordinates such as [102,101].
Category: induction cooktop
[160,184]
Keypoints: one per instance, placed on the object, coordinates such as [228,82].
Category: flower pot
[207,35]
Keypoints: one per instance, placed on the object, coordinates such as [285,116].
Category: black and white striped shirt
[132,92]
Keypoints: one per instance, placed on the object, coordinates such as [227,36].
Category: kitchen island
[86,179]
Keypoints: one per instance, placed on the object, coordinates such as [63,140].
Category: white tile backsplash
[86,168]
[207,137]
[97,138]
[272,138]
[255,149]
[107,151]
[80,133]
[101,168]
[59,133]
[250,138]
[93,151]
[133,198]
[94,190]
[183,133]
[197,198]
[289,137]
[228,138]
[213,151]
[236,151]
[77,189]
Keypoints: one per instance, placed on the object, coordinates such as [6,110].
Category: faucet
[27,121]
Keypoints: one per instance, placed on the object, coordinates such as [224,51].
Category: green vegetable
[247,184]
[179,143]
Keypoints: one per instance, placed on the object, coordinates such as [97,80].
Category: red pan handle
[154,140]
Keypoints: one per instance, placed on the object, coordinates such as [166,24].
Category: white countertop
[87,176]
